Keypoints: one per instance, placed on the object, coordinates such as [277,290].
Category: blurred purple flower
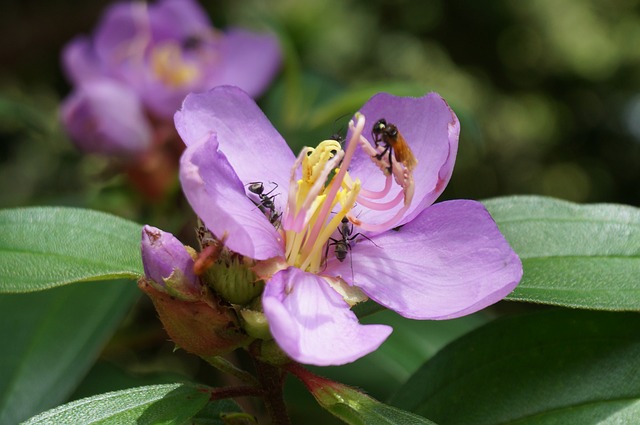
[444,261]
[158,52]
[105,116]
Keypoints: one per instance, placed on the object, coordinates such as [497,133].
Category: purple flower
[424,261]
[159,52]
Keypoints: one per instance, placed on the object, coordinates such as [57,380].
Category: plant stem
[224,365]
[271,380]
[232,392]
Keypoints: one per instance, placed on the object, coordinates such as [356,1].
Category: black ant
[343,245]
[266,204]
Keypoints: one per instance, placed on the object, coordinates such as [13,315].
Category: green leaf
[46,247]
[105,376]
[551,367]
[50,340]
[159,404]
[215,413]
[585,256]
[357,408]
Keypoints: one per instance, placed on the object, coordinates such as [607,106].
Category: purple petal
[255,150]
[103,116]
[449,261]
[177,19]
[80,62]
[431,130]
[219,199]
[162,254]
[121,25]
[313,324]
[249,61]
[162,100]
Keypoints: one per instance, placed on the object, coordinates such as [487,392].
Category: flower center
[169,66]
[325,194]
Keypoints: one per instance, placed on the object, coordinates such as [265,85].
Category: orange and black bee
[388,135]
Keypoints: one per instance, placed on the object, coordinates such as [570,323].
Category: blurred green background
[548,94]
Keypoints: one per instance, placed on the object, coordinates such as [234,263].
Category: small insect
[342,246]
[338,138]
[266,204]
[388,135]
[338,134]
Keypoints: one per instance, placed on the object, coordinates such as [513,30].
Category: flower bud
[234,280]
[169,265]
[103,116]
[255,324]
[205,327]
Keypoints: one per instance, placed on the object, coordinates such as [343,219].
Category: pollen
[169,66]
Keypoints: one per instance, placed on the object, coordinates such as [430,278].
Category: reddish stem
[271,380]
[309,379]
[232,392]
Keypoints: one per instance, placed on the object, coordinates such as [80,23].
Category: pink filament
[381,206]
[375,228]
[378,195]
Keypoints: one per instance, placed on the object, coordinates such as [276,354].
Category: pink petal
[219,199]
[255,150]
[120,25]
[313,324]
[249,61]
[177,19]
[431,130]
[80,62]
[449,261]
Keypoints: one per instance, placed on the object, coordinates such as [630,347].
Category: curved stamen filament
[381,206]
[370,194]
[367,227]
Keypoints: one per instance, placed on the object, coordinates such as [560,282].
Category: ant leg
[364,236]
[275,186]
[326,251]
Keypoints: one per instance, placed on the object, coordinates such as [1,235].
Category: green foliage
[160,404]
[552,367]
[46,247]
[585,256]
[50,340]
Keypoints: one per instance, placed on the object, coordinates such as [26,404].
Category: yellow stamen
[169,66]
[312,205]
